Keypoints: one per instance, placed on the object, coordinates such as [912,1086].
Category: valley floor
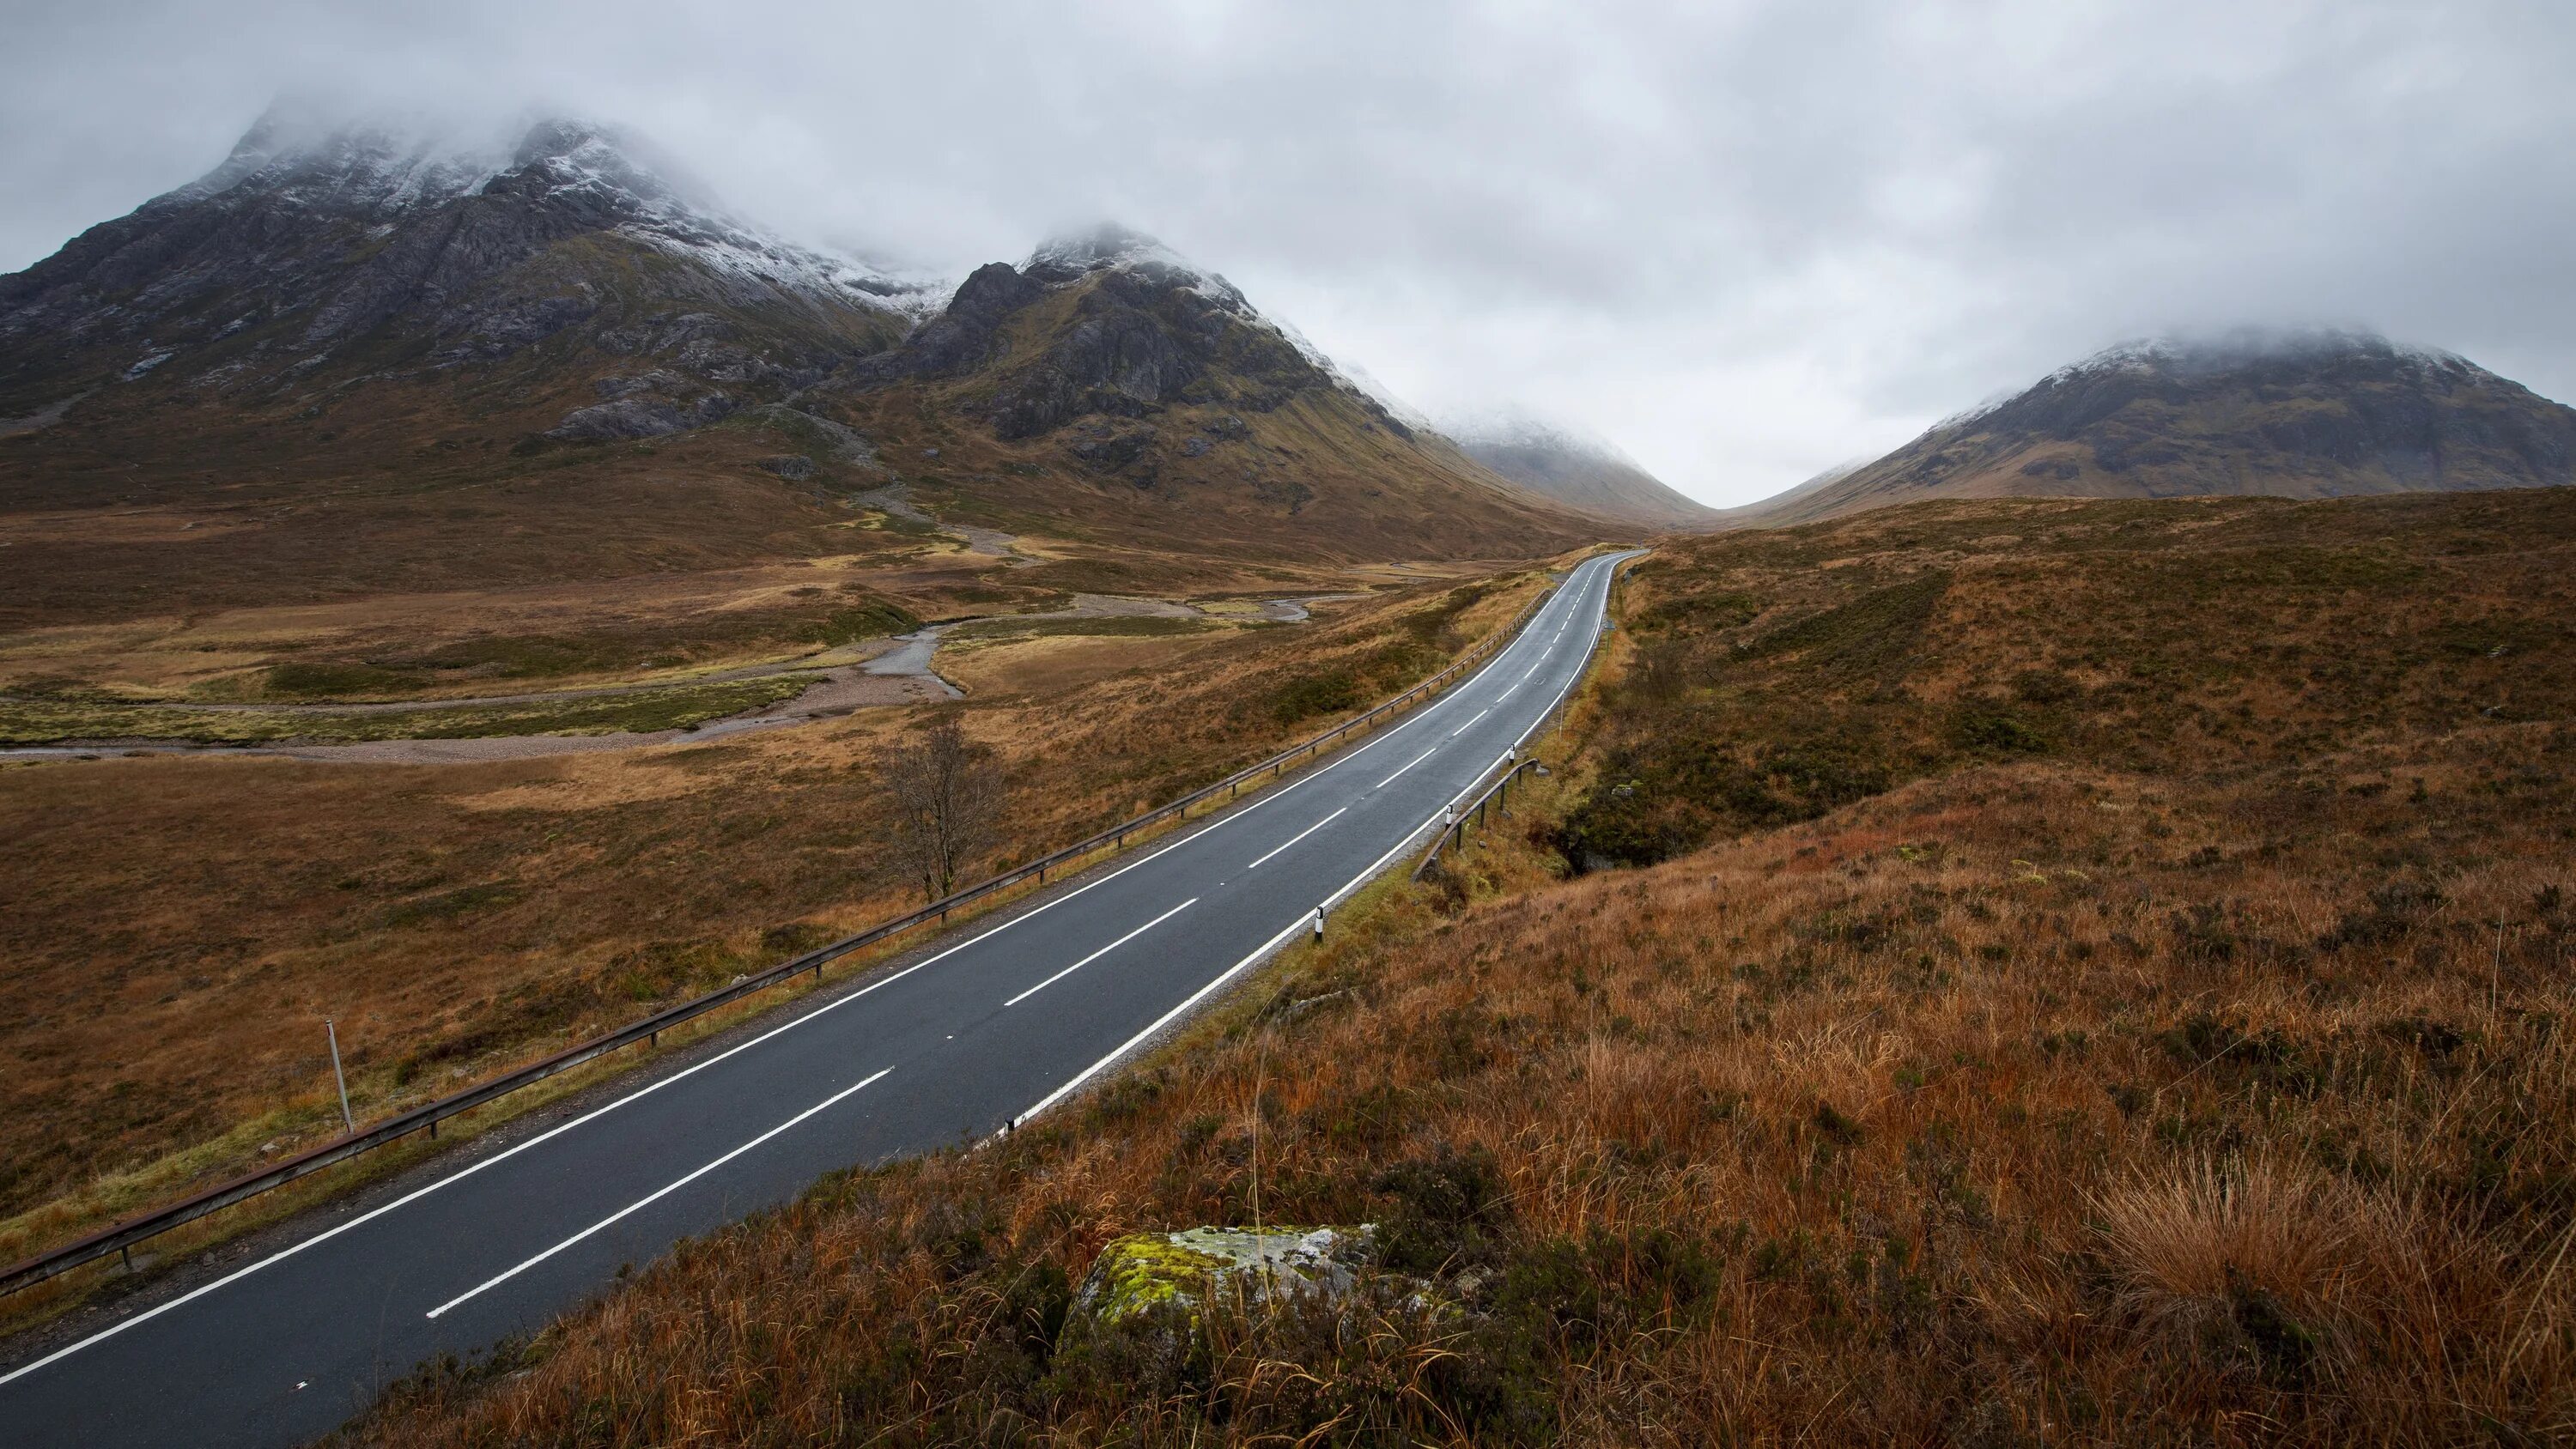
[180,926]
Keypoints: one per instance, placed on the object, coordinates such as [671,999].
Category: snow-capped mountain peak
[1109,246]
[377,171]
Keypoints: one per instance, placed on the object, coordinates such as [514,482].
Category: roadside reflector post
[333,1032]
[1319,923]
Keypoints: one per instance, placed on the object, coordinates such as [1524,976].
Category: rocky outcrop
[642,416]
[964,337]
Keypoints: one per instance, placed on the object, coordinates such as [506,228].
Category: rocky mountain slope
[2307,415]
[312,256]
[1110,377]
[347,360]
[1581,472]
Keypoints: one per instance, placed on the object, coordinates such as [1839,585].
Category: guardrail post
[337,1076]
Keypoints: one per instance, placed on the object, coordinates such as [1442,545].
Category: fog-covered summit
[1570,466]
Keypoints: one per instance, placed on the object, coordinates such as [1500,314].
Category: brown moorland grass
[1782,674]
[178,927]
[2215,1095]
[1989,1109]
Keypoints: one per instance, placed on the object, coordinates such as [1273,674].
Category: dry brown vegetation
[176,928]
[162,507]
[2214,1092]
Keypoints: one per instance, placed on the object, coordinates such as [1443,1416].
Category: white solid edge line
[1259,952]
[1103,951]
[1266,947]
[416,1194]
[1409,764]
[1471,723]
[504,1155]
[1300,835]
[649,1199]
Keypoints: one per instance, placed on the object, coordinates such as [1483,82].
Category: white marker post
[1319,923]
[336,1075]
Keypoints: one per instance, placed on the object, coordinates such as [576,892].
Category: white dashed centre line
[1462,729]
[1300,835]
[1409,764]
[648,1199]
[1103,951]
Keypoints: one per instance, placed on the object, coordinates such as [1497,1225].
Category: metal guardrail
[1498,794]
[1453,834]
[121,1238]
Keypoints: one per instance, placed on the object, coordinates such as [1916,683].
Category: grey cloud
[1744,241]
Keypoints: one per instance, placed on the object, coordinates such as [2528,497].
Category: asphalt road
[952,1047]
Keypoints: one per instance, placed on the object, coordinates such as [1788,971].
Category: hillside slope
[1578,472]
[2309,415]
[2059,1013]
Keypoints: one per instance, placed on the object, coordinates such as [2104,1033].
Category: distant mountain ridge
[1578,471]
[560,326]
[2295,414]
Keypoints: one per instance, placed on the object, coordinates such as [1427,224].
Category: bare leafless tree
[946,793]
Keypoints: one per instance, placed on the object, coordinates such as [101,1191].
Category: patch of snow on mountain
[1360,380]
[2183,354]
[380,170]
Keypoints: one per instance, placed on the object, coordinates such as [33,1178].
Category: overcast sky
[1743,241]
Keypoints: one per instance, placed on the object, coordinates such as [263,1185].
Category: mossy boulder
[1143,1274]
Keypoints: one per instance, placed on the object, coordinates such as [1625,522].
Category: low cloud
[1744,241]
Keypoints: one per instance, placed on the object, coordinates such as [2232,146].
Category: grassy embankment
[178,927]
[2136,1014]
